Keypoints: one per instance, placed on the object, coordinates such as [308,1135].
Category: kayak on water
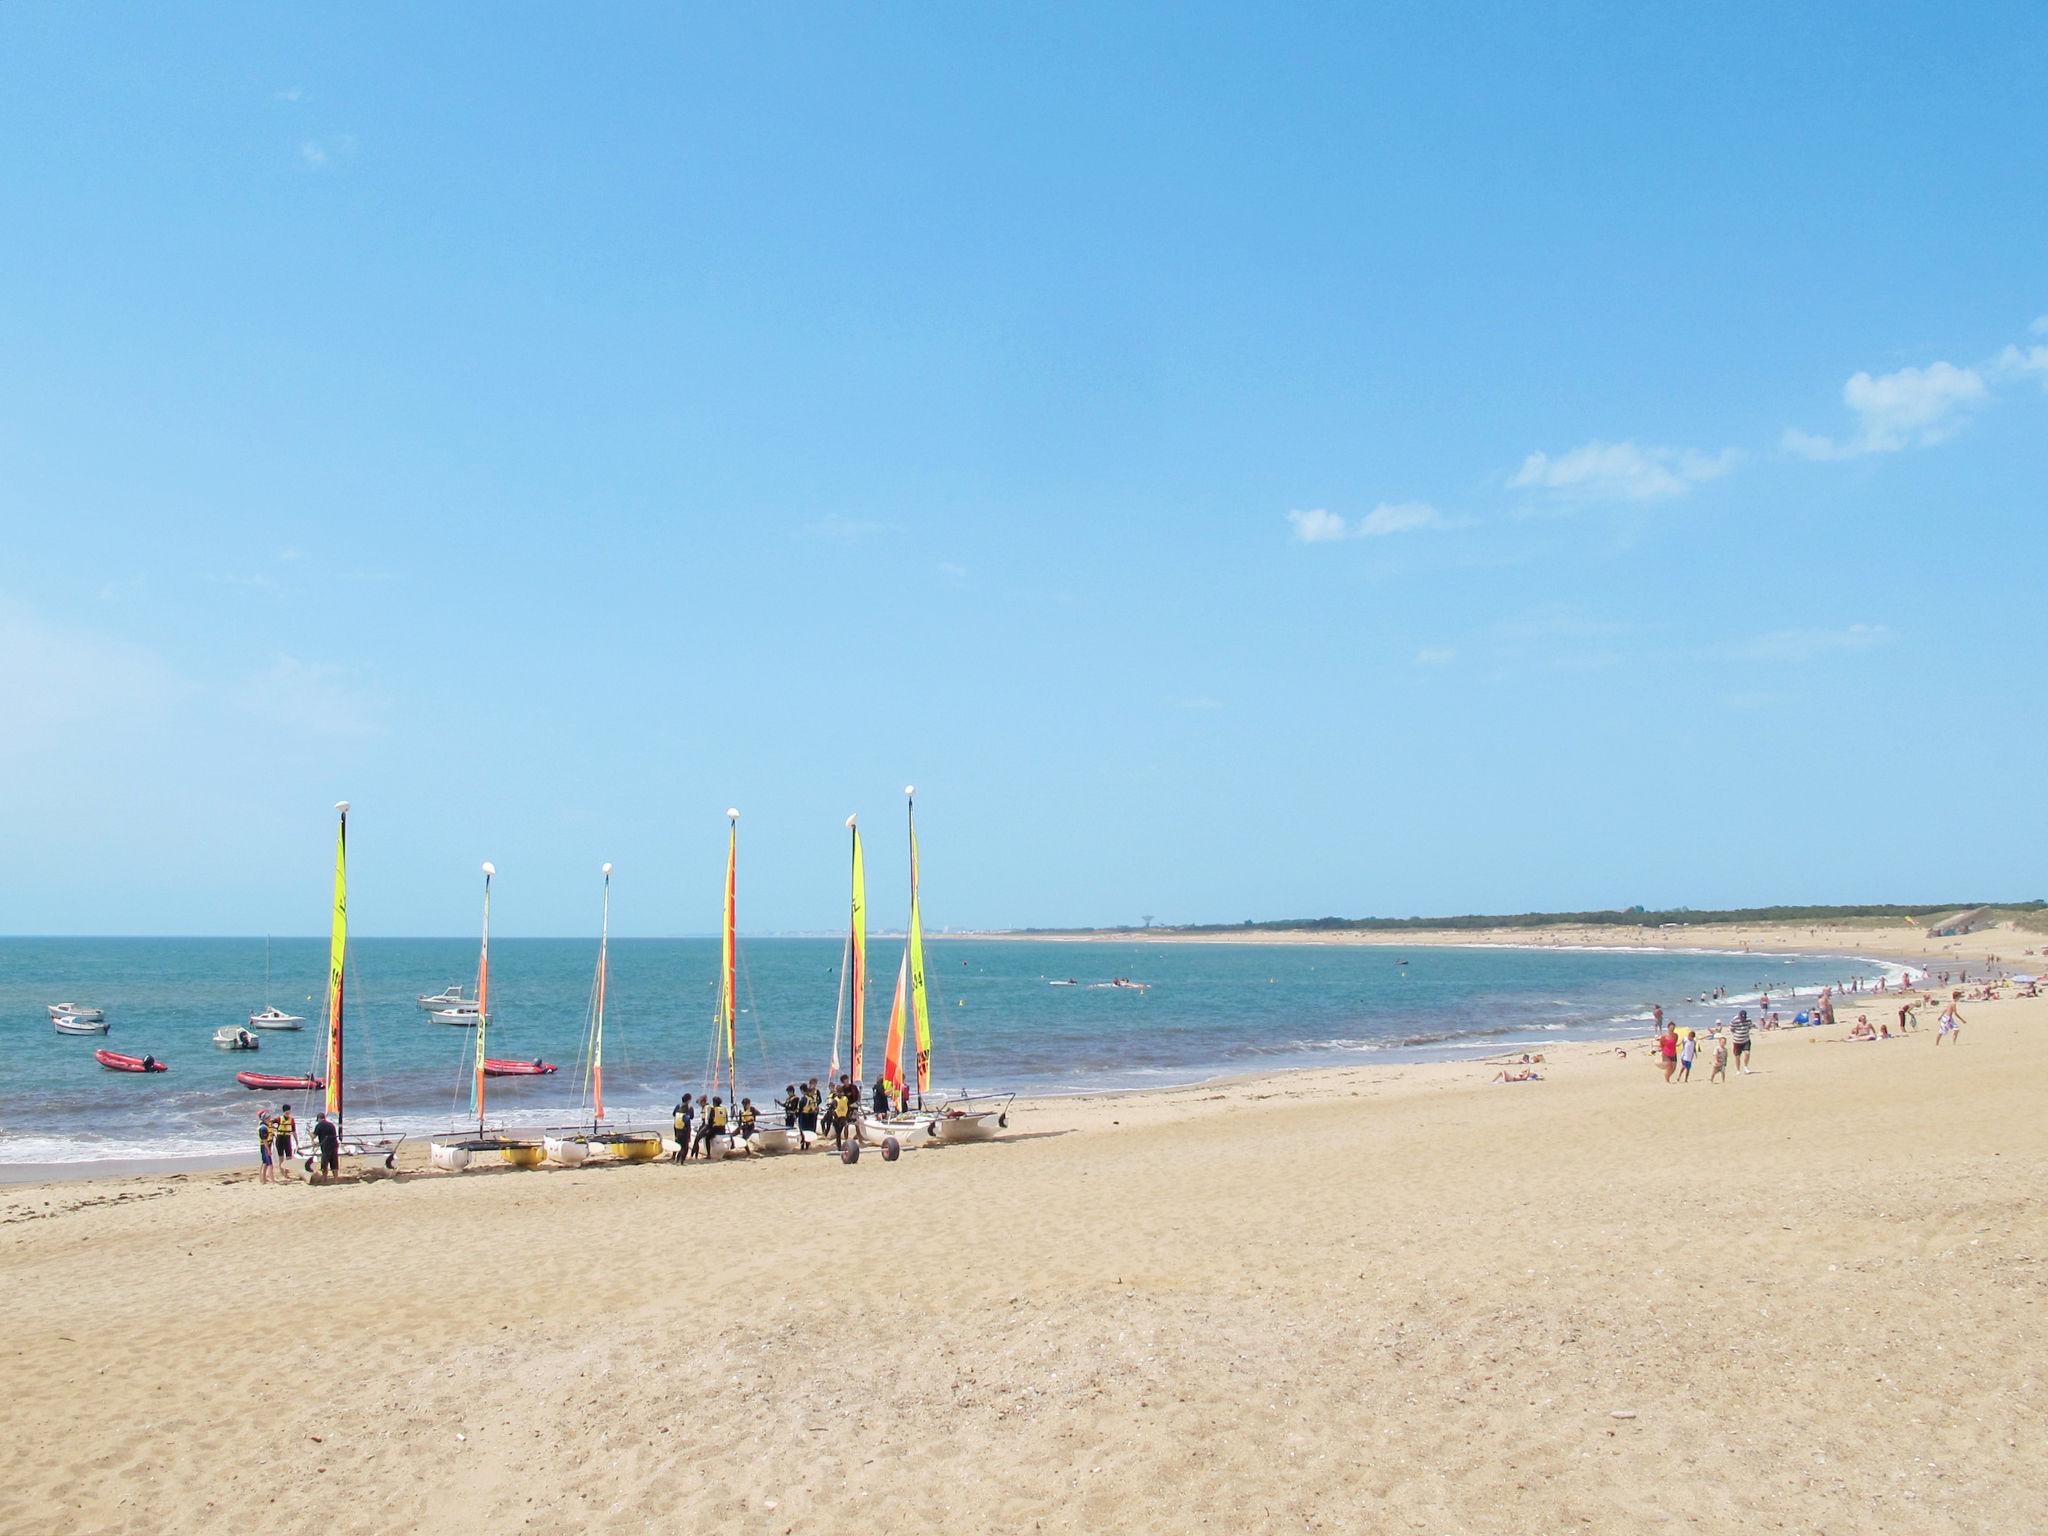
[278,1080]
[496,1067]
[115,1061]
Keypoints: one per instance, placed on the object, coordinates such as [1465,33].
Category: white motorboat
[464,1017]
[82,1012]
[451,997]
[232,1037]
[276,1018]
[79,1024]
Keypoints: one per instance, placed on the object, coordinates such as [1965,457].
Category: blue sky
[1238,462]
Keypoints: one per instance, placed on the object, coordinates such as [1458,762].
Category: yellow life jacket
[718,1117]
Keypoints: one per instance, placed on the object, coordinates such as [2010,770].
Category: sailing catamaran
[965,1116]
[573,1145]
[335,1055]
[853,968]
[725,1023]
[453,1149]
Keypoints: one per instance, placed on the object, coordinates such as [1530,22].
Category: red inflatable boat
[493,1067]
[275,1080]
[114,1061]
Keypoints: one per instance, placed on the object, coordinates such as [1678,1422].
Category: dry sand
[1392,1298]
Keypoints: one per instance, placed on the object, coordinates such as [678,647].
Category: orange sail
[892,1050]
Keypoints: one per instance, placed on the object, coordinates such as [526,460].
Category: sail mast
[604,933]
[857,952]
[729,1006]
[337,970]
[913,955]
[483,1001]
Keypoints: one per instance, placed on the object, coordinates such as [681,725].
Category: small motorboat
[232,1037]
[452,997]
[114,1061]
[462,1017]
[496,1067]
[279,1080]
[83,1011]
[276,1018]
[72,1024]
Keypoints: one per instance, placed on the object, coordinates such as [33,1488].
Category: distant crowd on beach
[1680,1049]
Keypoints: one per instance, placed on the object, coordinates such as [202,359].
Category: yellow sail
[337,966]
[920,1011]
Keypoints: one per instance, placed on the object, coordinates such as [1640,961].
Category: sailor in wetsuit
[328,1139]
[749,1118]
[841,1111]
[881,1098]
[263,1144]
[807,1115]
[686,1112]
[792,1113]
[714,1125]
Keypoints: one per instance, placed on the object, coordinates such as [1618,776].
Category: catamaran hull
[973,1125]
[449,1157]
[774,1138]
[907,1130]
[569,1151]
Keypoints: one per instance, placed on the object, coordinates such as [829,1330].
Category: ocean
[998,1021]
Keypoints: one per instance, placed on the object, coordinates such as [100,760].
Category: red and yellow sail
[728,1002]
[913,955]
[483,1003]
[337,967]
[892,1047]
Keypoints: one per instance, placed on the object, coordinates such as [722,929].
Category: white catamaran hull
[569,1151]
[772,1138]
[908,1130]
[967,1125]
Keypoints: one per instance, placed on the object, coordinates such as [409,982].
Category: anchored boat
[115,1061]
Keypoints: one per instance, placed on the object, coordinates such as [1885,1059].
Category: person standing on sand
[1951,1025]
[685,1113]
[1687,1048]
[263,1145]
[1738,1034]
[1720,1072]
[1667,1048]
[327,1140]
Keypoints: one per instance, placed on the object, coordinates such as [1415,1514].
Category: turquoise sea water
[998,1023]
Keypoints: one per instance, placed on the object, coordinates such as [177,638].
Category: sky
[1237,461]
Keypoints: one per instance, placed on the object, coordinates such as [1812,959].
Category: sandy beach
[1379,1298]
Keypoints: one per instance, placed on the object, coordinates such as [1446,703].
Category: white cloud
[952,571]
[2040,326]
[318,154]
[1626,471]
[1318,526]
[1908,408]
[291,93]
[1201,703]
[1435,656]
[2016,361]
[1794,645]
[1397,517]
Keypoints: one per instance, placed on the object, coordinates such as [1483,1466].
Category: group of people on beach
[812,1112]
[275,1135]
[1679,1049]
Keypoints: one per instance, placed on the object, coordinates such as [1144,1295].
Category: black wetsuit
[329,1138]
